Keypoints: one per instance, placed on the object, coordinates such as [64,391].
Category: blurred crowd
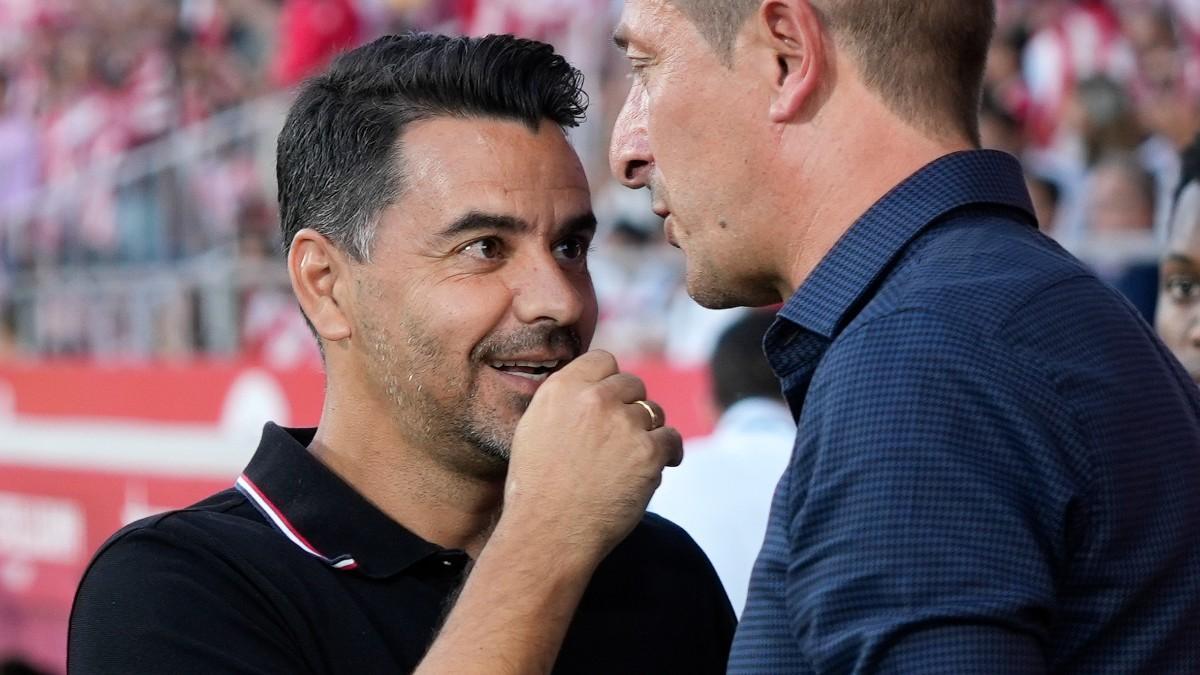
[133,138]
[83,82]
[1099,99]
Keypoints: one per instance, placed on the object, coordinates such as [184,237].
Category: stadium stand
[139,254]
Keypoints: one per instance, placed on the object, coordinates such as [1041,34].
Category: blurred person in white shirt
[722,494]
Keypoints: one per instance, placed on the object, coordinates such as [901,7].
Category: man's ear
[792,33]
[320,275]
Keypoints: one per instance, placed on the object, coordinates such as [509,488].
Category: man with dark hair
[722,493]
[996,463]
[437,224]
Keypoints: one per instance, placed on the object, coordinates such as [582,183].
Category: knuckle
[592,397]
[604,358]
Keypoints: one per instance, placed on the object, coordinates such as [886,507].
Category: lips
[529,355]
[669,230]
[662,211]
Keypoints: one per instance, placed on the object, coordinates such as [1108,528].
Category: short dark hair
[924,57]
[339,158]
[739,367]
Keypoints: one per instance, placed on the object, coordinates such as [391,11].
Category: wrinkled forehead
[1185,222]
[470,151]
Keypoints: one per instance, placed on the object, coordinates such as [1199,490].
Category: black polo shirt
[292,571]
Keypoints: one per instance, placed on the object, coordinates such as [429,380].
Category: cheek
[589,307]
[1171,321]
[698,143]
[590,315]
[678,125]
[463,314]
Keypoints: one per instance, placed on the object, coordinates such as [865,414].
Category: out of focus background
[147,329]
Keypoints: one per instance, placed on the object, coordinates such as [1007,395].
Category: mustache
[534,338]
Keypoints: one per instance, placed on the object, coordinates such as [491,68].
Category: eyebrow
[478,221]
[475,221]
[584,223]
[1178,259]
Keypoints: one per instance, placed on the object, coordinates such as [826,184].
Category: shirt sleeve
[927,505]
[153,601]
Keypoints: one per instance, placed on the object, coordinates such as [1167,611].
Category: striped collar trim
[281,523]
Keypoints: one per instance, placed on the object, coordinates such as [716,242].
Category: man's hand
[586,458]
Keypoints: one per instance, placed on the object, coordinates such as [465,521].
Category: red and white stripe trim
[272,512]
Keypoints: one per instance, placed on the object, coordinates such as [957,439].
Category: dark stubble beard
[466,421]
[488,440]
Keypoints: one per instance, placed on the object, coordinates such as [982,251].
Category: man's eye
[485,249]
[1182,289]
[572,249]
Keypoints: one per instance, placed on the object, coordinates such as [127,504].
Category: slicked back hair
[925,58]
[340,159]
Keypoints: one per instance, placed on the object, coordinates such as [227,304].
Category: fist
[586,457]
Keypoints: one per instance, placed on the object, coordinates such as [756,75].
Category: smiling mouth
[537,371]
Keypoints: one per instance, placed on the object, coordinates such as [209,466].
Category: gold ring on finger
[654,421]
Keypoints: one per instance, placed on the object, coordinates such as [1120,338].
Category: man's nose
[547,291]
[629,157]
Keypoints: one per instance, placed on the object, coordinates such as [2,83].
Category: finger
[669,444]
[644,415]
[623,387]
[593,366]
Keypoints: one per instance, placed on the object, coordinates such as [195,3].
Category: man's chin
[709,293]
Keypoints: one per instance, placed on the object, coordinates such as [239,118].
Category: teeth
[531,376]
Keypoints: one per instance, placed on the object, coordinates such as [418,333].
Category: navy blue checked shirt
[997,468]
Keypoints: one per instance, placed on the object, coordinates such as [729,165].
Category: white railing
[168,278]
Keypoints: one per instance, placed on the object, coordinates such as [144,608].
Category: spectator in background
[1166,94]
[721,494]
[1006,95]
[1046,195]
[1120,217]
[1077,40]
[19,151]
[311,33]
[1178,320]
[1101,112]
[20,166]
[999,128]
[10,348]
[1098,121]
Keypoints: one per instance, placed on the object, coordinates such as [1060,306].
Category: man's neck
[843,176]
[442,506]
